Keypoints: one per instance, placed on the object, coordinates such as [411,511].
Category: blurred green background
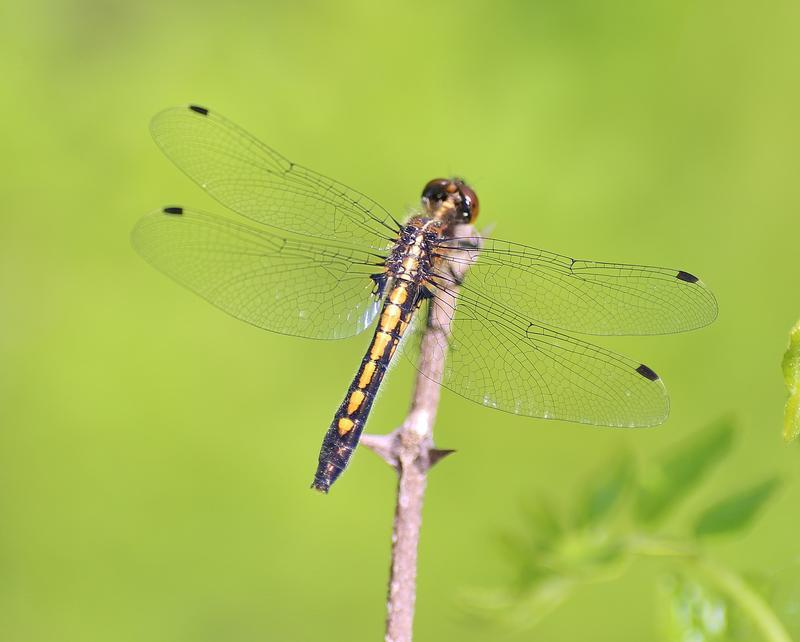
[155,454]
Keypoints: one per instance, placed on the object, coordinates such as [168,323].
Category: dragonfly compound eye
[469,202]
[435,192]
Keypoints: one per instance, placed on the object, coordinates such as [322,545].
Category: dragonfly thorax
[410,258]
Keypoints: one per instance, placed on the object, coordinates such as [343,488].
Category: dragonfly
[310,257]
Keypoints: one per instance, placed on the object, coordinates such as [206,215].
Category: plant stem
[410,450]
[726,580]
[745,597]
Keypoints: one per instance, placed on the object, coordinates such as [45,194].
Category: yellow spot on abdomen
[390,317]
[366,374]
[379,345]
[398,295]
[355,402]
[356,399]
[345,425]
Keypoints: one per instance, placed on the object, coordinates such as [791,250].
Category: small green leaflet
[736,511]
[669,481]
[791,374]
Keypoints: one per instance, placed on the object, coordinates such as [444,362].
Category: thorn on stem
[435,455]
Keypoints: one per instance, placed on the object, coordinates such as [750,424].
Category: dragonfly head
[450,199]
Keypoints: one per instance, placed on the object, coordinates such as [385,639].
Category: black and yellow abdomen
[348,422]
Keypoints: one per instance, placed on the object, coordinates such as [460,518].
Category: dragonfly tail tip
[320,487]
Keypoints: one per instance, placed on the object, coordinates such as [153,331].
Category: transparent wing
[502,360]
[291,286]
[259,183]
[588,297]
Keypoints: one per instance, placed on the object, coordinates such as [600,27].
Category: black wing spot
[646,372]
[685,276]
[198,109]
[173,210]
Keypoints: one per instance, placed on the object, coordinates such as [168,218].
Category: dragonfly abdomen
[348,422]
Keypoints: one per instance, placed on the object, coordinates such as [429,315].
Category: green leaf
[735,512]
[515,611]
[528,560]
[791,418]
[518,550]
[604,492]
[791,374]
[665,484]
[590,556]
[531,551]
[543,522]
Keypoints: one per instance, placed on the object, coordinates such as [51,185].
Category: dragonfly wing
[501,359]
[292,286]
[257,182]
[587,297]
